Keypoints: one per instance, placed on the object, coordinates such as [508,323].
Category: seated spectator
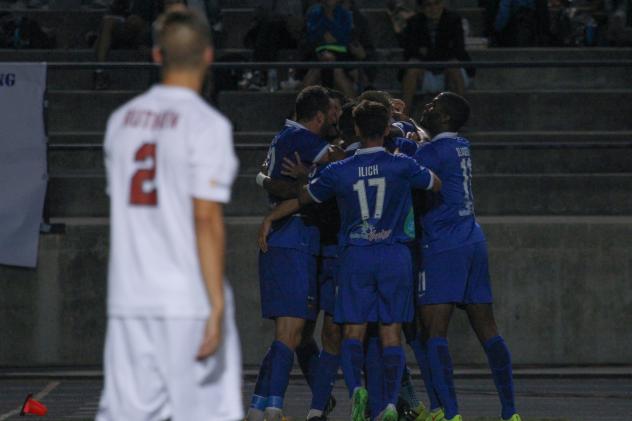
[277,25]
[399,11]
[435,34]
[361,47]
[128,26]
[619,29]
[520,23]
[329,28]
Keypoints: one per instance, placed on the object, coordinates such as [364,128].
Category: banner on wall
[23,173]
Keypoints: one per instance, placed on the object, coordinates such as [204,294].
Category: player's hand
[336,153]
[264,230]
[414,136]
[294,169]
[212,335]
[329,38]
[398,106]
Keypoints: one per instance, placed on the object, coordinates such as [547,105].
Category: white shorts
[433,84]
[151,373]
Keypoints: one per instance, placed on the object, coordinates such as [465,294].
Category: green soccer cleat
[422,413]
[389,413]
[454,418]
[514,417]
[436,415]
[359,404]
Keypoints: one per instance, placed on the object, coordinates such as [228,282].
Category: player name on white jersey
[146,119]
[369,171]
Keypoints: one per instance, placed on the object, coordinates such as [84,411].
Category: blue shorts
[287,280]
[327,284]
[459,276]
[375,285]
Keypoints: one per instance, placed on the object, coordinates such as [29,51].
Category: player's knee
[331,338]
[390,335]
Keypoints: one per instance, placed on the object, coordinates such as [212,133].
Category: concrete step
[485,139]
[491,54]
[382,34]
[359,3]
[82,193]
[489,158]
[491,110]
[70,27]
[486,79]
[564,273]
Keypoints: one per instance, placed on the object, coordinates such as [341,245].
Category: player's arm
[210,241]
[422,177]
[212,167]
[284,189]
[281,211]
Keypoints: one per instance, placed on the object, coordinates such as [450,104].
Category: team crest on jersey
[368,232]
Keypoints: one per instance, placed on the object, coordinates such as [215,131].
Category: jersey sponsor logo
[368,232]
[409,224]
[7,80]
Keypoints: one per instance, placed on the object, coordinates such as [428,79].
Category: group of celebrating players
[372,221]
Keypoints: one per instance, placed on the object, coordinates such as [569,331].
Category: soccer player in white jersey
[172,349]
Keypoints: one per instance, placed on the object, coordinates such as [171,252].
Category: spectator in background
[619,29]
[435,34]
[128,26]
[399,11]
[521,23]
[361,47]
[329,30]
[277,25]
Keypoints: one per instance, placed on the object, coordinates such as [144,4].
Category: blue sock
[324,379]
[307,355]
[262,387]
[421,354]
[441,372]
[281,364]
[407,390]
[352,360]
[500,363]
[374,375]
[394,362]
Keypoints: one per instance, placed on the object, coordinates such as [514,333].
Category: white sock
[314,413]
[273,414]
[254,414]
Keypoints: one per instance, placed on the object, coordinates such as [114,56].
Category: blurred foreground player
[172,348]
[455,262]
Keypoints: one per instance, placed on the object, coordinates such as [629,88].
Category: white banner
[23,174]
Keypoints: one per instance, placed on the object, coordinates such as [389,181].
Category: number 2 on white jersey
[360,188]
[143,188]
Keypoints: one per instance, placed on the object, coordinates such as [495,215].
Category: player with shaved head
[172,349]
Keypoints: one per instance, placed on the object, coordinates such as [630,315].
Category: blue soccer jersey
[372,188]
[402,145]
[292,232]
[450,222]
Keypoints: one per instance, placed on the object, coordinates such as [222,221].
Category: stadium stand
[553,148]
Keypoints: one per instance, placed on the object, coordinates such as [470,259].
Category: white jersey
[162,149]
